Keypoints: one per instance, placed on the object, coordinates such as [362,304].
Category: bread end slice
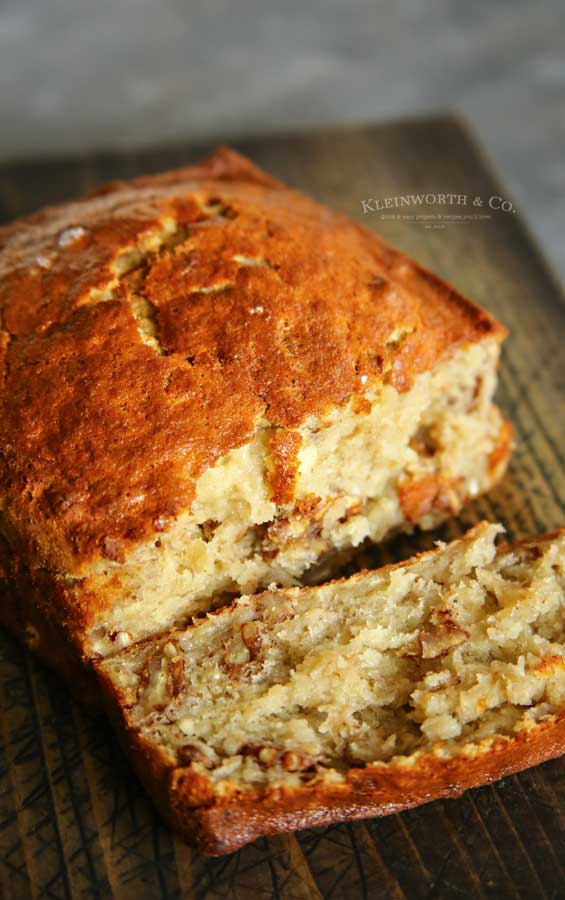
[358,698]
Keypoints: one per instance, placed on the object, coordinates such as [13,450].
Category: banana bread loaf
[207,383]
[357,698]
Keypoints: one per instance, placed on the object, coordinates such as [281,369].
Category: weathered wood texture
[74,821]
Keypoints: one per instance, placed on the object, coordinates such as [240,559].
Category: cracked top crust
[148,329]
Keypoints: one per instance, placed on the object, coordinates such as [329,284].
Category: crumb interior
[304,684]
[404,459]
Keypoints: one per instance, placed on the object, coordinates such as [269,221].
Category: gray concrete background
[83,74]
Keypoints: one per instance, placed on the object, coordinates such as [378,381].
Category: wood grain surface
[74,822]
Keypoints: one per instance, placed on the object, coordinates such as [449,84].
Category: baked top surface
[147,330]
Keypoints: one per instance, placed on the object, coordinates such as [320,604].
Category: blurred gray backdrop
[81,74]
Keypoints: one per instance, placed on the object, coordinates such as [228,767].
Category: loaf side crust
[31,609]
[223,826]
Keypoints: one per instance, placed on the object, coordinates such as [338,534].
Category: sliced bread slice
[361,697]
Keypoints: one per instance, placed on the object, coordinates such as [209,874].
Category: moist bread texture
[357,698]
[207,383]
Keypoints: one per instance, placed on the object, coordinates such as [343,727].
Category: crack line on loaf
[130,268]
[146,318]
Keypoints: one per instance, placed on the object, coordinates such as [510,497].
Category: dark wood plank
[73,820]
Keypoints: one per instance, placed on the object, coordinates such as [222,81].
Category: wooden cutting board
[74,821]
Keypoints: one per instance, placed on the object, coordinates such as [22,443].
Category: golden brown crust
[222,828]
[284,447]
[44,612]
[498,459]
[33,607]
[259,304]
